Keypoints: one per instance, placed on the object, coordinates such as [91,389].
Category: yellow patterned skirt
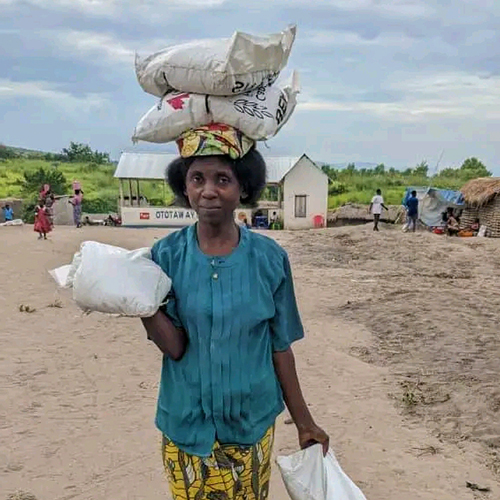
[231,472]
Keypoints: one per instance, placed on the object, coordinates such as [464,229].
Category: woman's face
[212,189]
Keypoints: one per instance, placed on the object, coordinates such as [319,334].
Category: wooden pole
[121,197]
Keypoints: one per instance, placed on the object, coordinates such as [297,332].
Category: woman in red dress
[42,221]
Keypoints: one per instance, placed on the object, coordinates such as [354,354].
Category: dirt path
[400,365]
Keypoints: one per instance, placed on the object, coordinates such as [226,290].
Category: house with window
[296,194]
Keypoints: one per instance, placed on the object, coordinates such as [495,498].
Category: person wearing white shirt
[376,207]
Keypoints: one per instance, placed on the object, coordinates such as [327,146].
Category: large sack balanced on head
[216,67]
[259,114]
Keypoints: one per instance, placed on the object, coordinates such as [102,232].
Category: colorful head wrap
[214,139]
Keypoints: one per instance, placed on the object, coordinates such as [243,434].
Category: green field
[22,172]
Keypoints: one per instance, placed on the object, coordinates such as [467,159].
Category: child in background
[42,222]
[8,213]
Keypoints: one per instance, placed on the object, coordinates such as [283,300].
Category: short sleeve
[286,325]
[170,307]
[170,310]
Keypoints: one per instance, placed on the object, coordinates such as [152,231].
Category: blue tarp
[433,202]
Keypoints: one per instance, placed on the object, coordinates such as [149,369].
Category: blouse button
[215,276]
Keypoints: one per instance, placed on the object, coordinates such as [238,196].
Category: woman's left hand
[312,435]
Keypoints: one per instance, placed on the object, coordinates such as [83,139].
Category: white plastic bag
[308,475]
[216,67]
[15,222]
[114,280]
[259,114]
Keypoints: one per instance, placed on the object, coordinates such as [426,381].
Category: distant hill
[359,164]
[32,153]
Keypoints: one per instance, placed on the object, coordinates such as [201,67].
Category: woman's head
[214,186]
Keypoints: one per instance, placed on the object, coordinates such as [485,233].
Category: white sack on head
[114,280]
[216,67]
[259,114]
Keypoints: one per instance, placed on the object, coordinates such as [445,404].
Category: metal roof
[279,166]
[153,166]
[143,165]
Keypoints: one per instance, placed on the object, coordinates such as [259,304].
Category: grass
[101,188]
[97,181]
[361,187]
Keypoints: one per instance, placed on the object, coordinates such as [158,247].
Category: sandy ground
[401,365]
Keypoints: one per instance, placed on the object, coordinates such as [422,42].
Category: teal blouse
[237,310]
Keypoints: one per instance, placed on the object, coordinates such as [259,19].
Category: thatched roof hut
[482,198]
[479,192]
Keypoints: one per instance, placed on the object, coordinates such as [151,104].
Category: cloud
[449,95]
[52,94]
[339,38]
[100,47]
[379,70]
[110,8]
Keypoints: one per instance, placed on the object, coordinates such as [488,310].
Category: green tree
[379,169]
[448,172]
[351,168]
[7,153]
[330,171]
[33,182]
[78,152]
[422,169]
[473,168]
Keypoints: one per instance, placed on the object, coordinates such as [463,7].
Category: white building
[296,193]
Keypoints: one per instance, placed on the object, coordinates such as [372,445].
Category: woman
[42,223]
[226,331]
[48,196]
[76,201]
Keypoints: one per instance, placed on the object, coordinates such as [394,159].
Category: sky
[392,81]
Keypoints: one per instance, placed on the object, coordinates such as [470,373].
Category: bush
[156,202]
[336,188]
[7,153]
[28,214]
[33,181]
[102,205]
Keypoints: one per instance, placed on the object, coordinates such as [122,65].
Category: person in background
[42,224]
[376,206]
[227,329]
[49,199]
[412,211]
[76,201]
[452,225]
[45,189]
[8,213]
[474,227]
